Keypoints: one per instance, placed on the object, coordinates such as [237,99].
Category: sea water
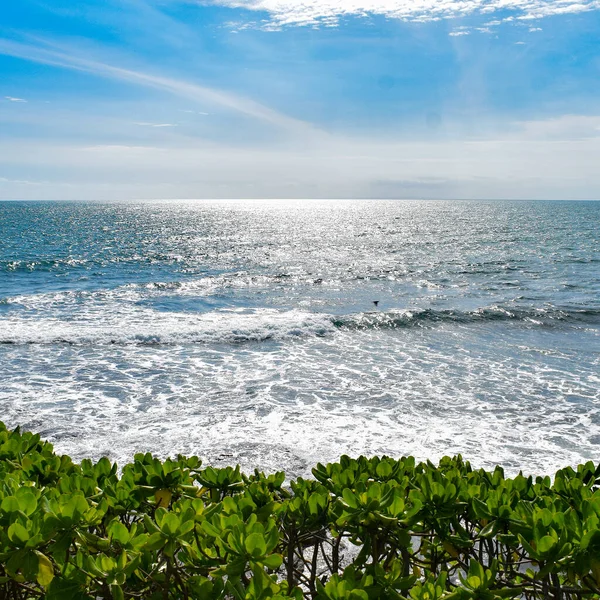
[248,331]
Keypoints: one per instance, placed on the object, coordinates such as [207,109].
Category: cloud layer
[310,12]
[552,159]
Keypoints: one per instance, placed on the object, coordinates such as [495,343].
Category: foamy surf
[113,323]
[280,335]
[151,327]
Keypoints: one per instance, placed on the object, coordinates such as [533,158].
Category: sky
[135,99]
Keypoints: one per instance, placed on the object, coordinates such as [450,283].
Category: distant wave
[239,326]
[47,265]
[43,264]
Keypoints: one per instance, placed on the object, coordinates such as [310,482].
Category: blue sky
[284,98]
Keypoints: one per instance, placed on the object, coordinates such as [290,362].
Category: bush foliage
[361,529]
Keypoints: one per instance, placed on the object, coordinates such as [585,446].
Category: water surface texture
[246,331]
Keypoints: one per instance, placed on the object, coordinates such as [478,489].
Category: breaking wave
[430,317]
[244,325]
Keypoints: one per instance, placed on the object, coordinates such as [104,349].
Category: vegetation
[362,529]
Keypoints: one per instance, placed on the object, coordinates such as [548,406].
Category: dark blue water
[247,331]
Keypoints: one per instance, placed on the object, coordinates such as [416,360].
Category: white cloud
[563,128]
[195,112]
[553,159]
[157,124]
[13,99]
[312,12]
[71,59]
[19,182]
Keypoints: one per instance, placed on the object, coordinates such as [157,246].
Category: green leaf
[358,595]
[349,498]
[151,526]
[18,534]
[255,545]
[384,469]
[236,567]
[315,502]
[10,504]
[61,589]
[45,573]
[27,501]
[591,540]
[75,507]
[490,529]
[272,562]
[397,505]
[163,497]
[508,593]
[29,565]
[546,544]
[117,592]
[170,524]
[210,529]
[122,561]
[186,527]
[155,541]
[405,583]
[118,532]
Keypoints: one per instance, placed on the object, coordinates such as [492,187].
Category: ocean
[276,334]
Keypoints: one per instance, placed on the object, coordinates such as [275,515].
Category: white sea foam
[146,326]
[425,392]
[126,316]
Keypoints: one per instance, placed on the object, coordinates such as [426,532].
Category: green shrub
[361,529]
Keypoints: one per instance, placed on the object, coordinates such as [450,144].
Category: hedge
[364,528]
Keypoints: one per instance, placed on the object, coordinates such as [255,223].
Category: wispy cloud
[157,124]
[555,158]
[191,91]
[312,12]
[13,99]
[563,128]
[195,112]
[6,180]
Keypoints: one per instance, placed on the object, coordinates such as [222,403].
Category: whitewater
[276,334]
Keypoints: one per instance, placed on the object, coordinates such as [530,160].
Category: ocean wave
[147,327]
[430,317]
[144,289]
[41,264]
[64,263]
[151,328]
